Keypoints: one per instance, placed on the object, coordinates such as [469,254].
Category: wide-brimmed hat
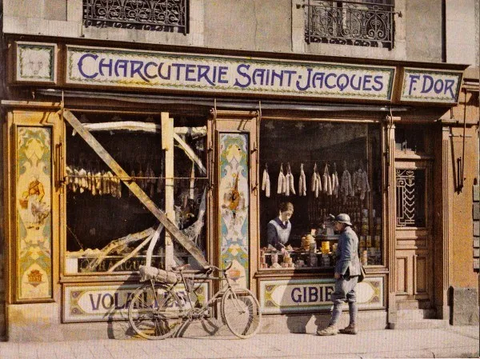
[343,218]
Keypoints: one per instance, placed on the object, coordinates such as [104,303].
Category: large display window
[108,229]
[315,170]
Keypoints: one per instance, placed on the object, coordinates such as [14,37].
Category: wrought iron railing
[359,23]
[155,15]
[410,198]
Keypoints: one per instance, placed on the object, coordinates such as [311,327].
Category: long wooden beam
[189,152]
[135,188]
[195,132]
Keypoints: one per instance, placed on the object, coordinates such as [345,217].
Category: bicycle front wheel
[241,312]
[155,311]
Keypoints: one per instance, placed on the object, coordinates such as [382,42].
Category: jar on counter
[325,260]
[325,247]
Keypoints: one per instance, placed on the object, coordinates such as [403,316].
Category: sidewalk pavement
[450,342]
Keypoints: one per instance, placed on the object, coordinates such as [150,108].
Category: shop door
[414,269]
[235,184]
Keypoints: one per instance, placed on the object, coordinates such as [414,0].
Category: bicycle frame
[190,310]
[197,312]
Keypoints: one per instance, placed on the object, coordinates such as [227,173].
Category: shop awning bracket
[135,188]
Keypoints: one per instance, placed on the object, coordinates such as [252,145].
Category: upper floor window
[155,15]
[358,23]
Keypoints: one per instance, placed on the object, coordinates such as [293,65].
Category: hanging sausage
[316,181]
[266,181]
[302,182]
[290,182]
[282,182]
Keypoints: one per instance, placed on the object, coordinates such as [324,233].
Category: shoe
[349,330]
[330,330]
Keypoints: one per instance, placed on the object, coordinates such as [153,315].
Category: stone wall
[424,33]
[462,31]
[251,25]
[464,306]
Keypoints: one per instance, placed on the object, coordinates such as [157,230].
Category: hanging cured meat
[150,181]
[335,181]
[191,190]
[266,182]
[360,183]
[346,188]
[282,182]
[290,187]
[302,182]
[327,181]
[316,181]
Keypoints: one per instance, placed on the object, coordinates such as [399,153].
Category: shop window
[358,23]
[411,139]
[156,15]
[340,165]
[108,228]
[410,198]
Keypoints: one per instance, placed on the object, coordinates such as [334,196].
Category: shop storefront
[115,158]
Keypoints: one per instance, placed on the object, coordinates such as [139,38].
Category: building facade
[169,132]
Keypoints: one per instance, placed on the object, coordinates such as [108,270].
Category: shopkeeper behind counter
[279,228]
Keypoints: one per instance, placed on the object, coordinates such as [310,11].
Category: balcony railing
[154,15]
[350,23]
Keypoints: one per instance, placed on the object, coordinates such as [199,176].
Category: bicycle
[157,310]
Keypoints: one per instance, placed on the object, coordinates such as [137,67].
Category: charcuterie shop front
[114,158]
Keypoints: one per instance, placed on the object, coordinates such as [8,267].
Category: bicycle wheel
[241,312]
[155,312]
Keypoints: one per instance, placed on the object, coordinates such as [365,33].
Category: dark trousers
[344,292]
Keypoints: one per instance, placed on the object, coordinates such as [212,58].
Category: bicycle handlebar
[211,268]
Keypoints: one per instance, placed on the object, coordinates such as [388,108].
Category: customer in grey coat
[347,270]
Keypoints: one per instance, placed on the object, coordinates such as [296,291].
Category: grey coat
[348,262]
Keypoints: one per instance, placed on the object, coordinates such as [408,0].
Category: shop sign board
[93,303]
[307,295]
[181,72]
[422,85]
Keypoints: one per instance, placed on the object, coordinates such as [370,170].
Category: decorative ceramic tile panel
[307,295]
[34,214]
[93,303]
[234,205]
[36,62]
